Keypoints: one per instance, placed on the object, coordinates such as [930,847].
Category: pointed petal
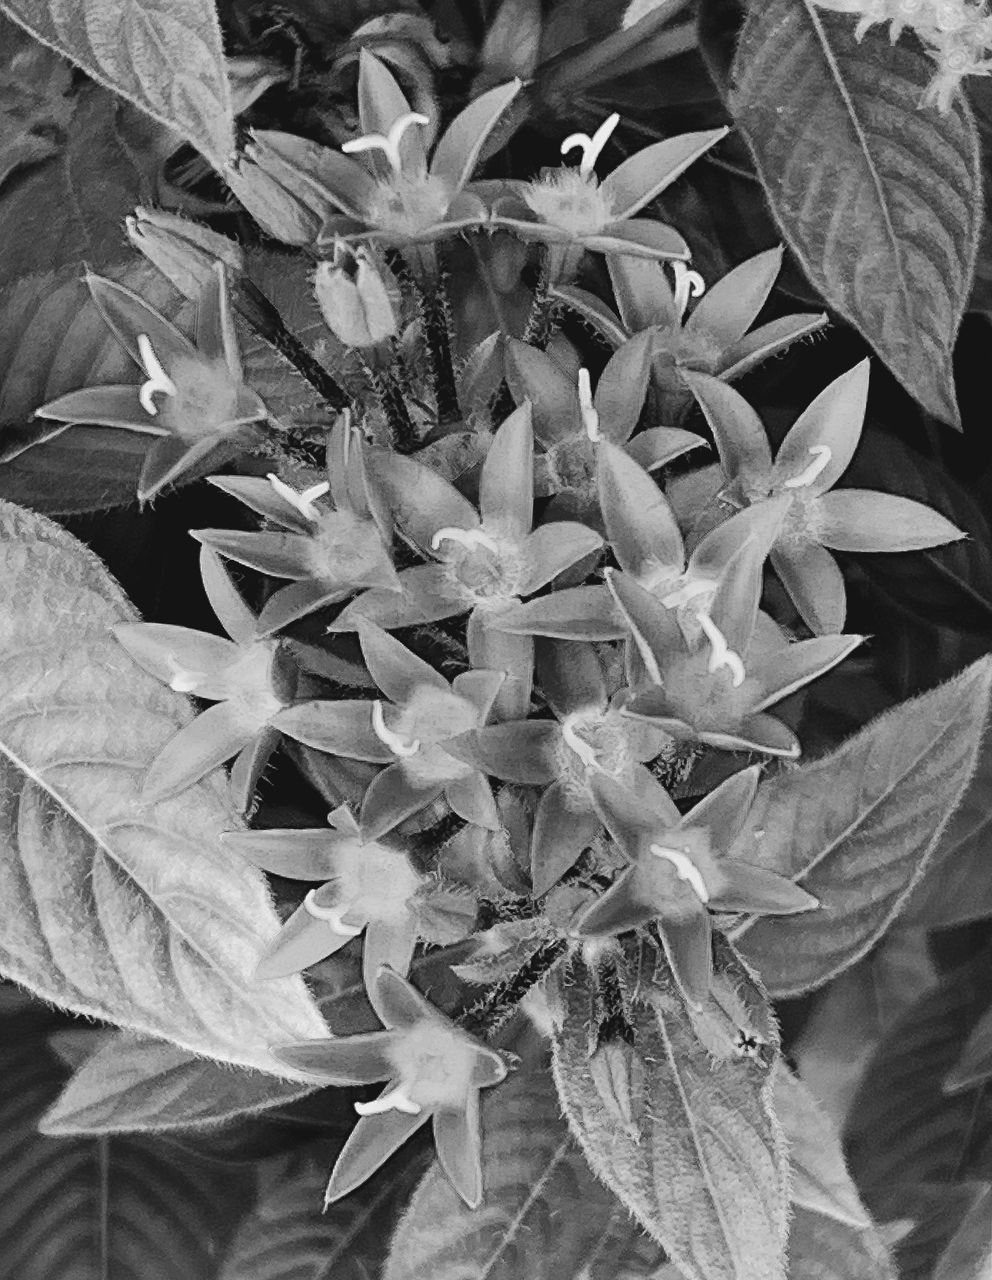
[734,606]
[296,601]
[655,629]
[815,584]
[647,173]
[561,832]
[373,1140]
[867,520]
[215,338]
[303,940]
[640,525]
[723,811]
[167,651]
[399,1003]
[644,296]
[127,314]
[427,595]
[207,742]
[740,438]
[757,732]
[718,548]
[639,238]
[392,796]
[458,148]
[621,909]
[459,1148]
[633,818]
[492,649]
[767,340]
[344,1060]
[834,420]
[343,182]
[397,671]
[533,375]
[421,501]
[689,950]
[506,486]
[785,672]
[169,458]
[622,387]
[472,798]
[283,555]
[387,943]
[519,751]
[657,446]
[103,407]
[340,728]
[249,764]
[259,496]
[381,101]
[731,306]
[593,310]
[304,853]
[480,688]
[740,887]
[552,548]
[570,676]
[582,613]
[225,599]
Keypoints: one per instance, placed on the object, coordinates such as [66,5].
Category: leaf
[968,1256]
[857,828]
[134,1084]
[700,1161]
[166,56]
[120,910]
[94,1208]
[821,1248]
[879,199]
[543,1214]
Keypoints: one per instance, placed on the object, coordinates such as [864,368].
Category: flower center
[434,1064]
[396,742]
[721,655]
[707,700]
[591,740]
[409,205]
[685,869]
[821,459]
[204,399]
[486,570]
[570,200]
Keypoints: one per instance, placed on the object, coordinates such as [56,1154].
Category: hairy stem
[500,1003]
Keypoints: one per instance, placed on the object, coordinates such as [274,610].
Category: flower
[409,734]
[369,887]
[434,1071]
[485,560]
[811,459]
[358,298]
[249,680]
[679,872]
[193,398]
[328,552]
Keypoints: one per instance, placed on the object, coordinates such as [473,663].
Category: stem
[393,403]
[500,1002]
[539,327]
[435,316]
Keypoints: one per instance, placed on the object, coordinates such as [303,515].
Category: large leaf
[129,912]
[166,56]
[857,828]
[698,1156]
[134,1084]
[544,1215]
[879,199]
[821,1248]
[98,1208]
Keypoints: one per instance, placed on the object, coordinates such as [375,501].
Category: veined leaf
[857,828]
[134,1084]
[879,199]
[698,1156]
[166,56]
[124,911]
[826,1249]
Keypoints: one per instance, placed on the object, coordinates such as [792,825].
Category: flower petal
[740,438]
[215,336]
[561,832]
[392,796]
[655,629]
[169,458]
[768,340]
[492,649]
[127,314]
[622,387]
[639,238]
[259,495]
[373,1140]
[815,584]
[472,798]
[458,149]
[723,811]
[390,943]
[103,407]
[399,1003]
[166,651]
[640,525]
[780,674]
[342,728]
[459,1148]
[755,733]
[734,606]
[248,767]
[342,182]
[552,548]
[506,485]
[298,600]
[621,908]
[225,599]
[834,421]
[381,101]
[867,520]
[644,296]
[740,887]
[421,501]
[633,818]
[518,751]
[533,375]
[397,671]
[303,940]
[343,1060]
[571,676]
[689,949]
[593,310]
[427,594]
[580,613]
[283,555]
[480,688]
[732,304]
[647,173]
[657,446]
[207,742]
[303,853]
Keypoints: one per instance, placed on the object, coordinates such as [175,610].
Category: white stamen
[687,591]
[333,916]
[158,379]
[685,869]
[302,501]
[590,415]
[822,455]
[396,743]
[387,143]
[591,147]
[722,655]
[464,537]
[584,750]
[688,284]
[394,1100]
[185,681]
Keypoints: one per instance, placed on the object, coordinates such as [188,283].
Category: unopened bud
[356,297]
[183,251]
[276,211]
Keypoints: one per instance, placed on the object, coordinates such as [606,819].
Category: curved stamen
[590,415]
[469,538]
[333,916]
[688,284]
[394,1100]
[822,455]
[584,750]
[687,591]
[396,743]
[591,147]
[185,681]
[685,869]
[387,143]
[722,655]
[302,500]
[158,379]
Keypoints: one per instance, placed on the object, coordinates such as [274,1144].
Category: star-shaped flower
[408,733]
[434,1071]
[679,872]
[369,887]
[249,680]
[193,399]
[330,549]
[811,459]
[389,193]
[484,560]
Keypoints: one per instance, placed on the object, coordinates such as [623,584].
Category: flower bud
[275,210]
[357,299]
[183,251]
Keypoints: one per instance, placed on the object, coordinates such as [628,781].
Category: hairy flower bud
[184,251]
[275,209]
[356,298]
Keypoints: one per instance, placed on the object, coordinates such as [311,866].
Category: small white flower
[387,143]
[591,147]
[158,380]
[684,869]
